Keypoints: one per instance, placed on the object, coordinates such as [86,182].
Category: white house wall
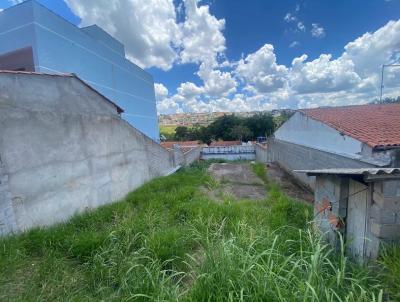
[305,131]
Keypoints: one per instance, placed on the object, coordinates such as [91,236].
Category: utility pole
[383,69]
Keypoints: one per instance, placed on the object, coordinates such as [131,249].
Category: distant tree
[229,127]
[220,128]
[260,124]
[181,133]
[387,100]
[204,135]
[242,133]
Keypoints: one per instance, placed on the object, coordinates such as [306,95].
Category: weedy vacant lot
[169,241]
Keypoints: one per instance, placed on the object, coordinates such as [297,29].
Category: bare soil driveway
[238,181]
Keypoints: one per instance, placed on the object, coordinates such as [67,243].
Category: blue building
[33,38]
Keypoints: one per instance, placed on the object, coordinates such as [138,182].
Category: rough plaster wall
[7,220]
[385,210]
[65,149]
[192,155]
[179,157]
[261,153]
[296,157]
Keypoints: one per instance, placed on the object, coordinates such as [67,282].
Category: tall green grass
[390,261]
[167,241]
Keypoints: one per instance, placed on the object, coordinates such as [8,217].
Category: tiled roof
[375,125]
[225,143]
[185,144]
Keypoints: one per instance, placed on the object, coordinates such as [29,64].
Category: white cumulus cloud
[161,91]
[155,36]
[202,37]
[261,70]
[151,33]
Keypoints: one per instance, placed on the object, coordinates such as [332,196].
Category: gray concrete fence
[296,157]
[64,149]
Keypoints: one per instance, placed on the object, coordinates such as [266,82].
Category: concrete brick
[378,199]
[391,188]
[385,231]
[382,215]
[387,203]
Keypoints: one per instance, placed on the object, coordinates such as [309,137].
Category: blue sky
[231,55]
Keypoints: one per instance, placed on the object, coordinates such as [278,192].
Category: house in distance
[359,136]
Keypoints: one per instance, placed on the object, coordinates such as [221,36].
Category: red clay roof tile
[184,144]
[225,143]
[374,125]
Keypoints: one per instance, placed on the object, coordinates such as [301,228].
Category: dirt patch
[234,173]
[288,184]
[235,181]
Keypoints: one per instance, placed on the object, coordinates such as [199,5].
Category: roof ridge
[347,106]
[376,128]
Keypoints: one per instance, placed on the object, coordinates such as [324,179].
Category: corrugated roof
[375,125]
[350,171]
[71,75]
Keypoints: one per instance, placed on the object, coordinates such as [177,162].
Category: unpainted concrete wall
[291,157]
[385,210]
[261,153]
[192,155]
[64,149]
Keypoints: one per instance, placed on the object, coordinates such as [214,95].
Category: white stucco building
[338,137]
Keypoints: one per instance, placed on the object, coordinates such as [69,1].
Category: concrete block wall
[64,149]
[385,210]
[192,155]
[261,153]
[296,157]
[381,220]
[179,156]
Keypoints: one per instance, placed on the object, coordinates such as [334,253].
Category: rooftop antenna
[383,69]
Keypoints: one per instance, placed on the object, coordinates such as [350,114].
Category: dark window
[18,60]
